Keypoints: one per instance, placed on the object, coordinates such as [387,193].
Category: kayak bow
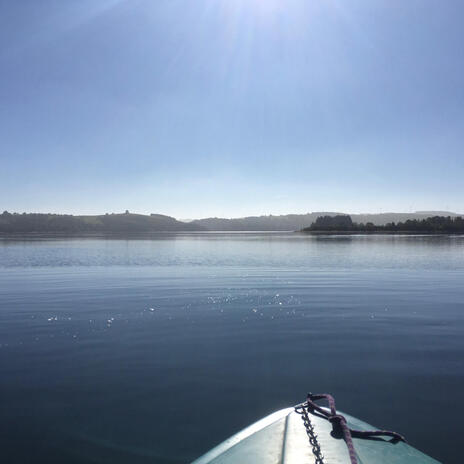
[308,433]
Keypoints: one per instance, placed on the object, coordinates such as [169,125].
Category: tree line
[431,225]
[14,223]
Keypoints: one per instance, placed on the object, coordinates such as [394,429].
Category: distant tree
[431,225]
[339,222]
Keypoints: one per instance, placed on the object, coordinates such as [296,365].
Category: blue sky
[231,107]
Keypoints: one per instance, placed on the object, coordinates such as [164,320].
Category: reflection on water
[153,349]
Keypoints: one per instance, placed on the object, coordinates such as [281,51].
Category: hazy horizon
[185,219]
[231,108]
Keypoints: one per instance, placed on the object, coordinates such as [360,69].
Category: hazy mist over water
[155,349]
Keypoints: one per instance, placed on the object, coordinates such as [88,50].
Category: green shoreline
[344,225]
[375,232]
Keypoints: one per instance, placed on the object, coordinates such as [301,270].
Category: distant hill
[138,223]
[290,222]
[108,223]
[286,222]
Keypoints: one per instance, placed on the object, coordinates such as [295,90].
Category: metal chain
[302,409]
[339,424]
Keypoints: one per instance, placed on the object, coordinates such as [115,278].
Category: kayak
[313,435]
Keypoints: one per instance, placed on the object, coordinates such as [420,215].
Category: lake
[154,349]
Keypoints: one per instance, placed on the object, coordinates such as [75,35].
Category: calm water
[154,350]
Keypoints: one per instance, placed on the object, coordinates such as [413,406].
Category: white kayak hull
[281,438]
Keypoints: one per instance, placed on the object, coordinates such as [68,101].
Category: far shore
[159,234]
[374,232]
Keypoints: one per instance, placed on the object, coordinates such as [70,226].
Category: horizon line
[431,211]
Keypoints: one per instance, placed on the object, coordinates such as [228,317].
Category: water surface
[155,349]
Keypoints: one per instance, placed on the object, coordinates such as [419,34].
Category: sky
[197,108]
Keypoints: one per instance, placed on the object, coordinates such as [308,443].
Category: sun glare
[260,8]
